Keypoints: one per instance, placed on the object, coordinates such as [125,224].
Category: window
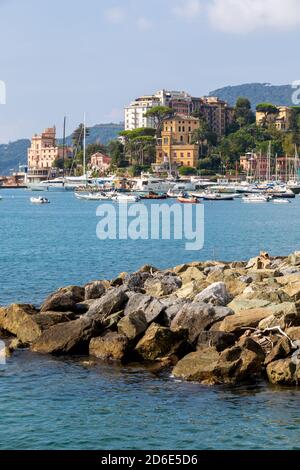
[190,128]
[189,155]
[183,129]
[179,129]
[188,163]
[175,155]
[181,138]
[166,141]
[182,155]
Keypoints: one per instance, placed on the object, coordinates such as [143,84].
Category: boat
[285,194]
[172,194]
[218,197]
[256,199]
[186,199]
[121,197]
[148,183]
[153,195]
[281,201]
[92,196]
[39,200]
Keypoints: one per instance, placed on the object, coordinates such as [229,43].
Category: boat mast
[84,145]
[64,148]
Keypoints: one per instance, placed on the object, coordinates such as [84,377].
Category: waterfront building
[175,147]
[217,113]
[100,162]
[42,154]
[258,166]
[282,120]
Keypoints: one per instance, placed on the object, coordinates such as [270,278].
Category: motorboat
[186,199]
[256,199]
[39,200]
[172,194]
[281,201]
[153,195]
[218,197]
[127,198]
[92,196]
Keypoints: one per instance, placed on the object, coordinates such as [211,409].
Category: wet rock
[217,339]
[198,366]
[111,346]
[64,299]
[197,317]
[215,294]
[133,325]
[19,320]
[15,344]
[162,284]
[283,372]
[159,342]
[95,290]
[67,338]
[280,351]
[113,301]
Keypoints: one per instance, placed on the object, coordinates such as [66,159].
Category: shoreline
[209,322]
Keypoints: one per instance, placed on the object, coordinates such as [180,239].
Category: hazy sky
[69,56]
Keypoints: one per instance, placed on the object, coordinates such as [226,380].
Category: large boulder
[191,289]
[241,321]
[294,259]
[242,302]
[281,350]
[284,372]
[282,315]
[64,299]
[172,305]
[162,284]
[192,274]
[150,306]
[136,281]
[239,363]
[109,346]
[113,301]
[215,294]
[197,317]
[159,342]
[216,339]
[67,338]
[95,289]
[133,325]
[292,291]
[24,321]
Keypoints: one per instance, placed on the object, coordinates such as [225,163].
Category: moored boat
[218,197]
[153,195]
[39,200]
[92,196]
[256,199]
[122,197]
[186,199]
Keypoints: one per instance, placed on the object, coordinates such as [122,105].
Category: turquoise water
[49,403]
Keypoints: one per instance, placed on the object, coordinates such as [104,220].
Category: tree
[187,170]
[116,151]
[159,114]
[95,148]
[268,110]
[243,112]
[140,145]
[78,135]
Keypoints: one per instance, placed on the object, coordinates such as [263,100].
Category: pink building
[99,161]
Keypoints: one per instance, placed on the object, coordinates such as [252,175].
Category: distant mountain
[257,93]
[15,153]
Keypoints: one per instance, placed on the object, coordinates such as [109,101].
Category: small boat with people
[186,199]
[39,200]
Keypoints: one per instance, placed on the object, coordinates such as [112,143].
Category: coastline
[209,322]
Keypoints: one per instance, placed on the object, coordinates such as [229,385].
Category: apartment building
[282,120]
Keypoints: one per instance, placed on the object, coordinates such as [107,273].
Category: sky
[67,57]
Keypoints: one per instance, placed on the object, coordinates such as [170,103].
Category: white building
[135,112]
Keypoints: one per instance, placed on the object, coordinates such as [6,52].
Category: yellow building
[175,147]
[282,120]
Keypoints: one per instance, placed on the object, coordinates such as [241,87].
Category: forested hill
[15,153]
[257,93]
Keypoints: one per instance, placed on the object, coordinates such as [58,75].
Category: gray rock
[151,307]
[113,301]
[133,325]
[162,284]
[95,290]
[217,339]
[215,294]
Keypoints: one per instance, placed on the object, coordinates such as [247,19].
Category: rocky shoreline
[209,322]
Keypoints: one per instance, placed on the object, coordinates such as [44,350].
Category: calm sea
[49,403]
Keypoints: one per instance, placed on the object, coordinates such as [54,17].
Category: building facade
[100,162]
[282,120]
[259,167]
[175,147]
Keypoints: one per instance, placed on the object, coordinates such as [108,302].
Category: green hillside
[257,93]
[15,153]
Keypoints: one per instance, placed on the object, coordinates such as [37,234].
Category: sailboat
[294,184]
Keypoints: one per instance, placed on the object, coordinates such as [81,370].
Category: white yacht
[146,184]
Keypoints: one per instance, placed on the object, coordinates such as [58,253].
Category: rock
[19,320]
[148,268]
[283,372]
[113,301]
[191,289]
[164,284]
[159,342]
[294,333]
[137,280]
[64,299]
[294,259]
[119,281]
[15,344]
[260,262]
[171,308]
[216,294]
[197,317]
[292,291]
[151,307]
[133,325]
[244,319]
[110,346]
[95,290]
[67,338]
[281,315]
[192,274]
[280,351]
[198,366]
[241,303]
[217,339]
